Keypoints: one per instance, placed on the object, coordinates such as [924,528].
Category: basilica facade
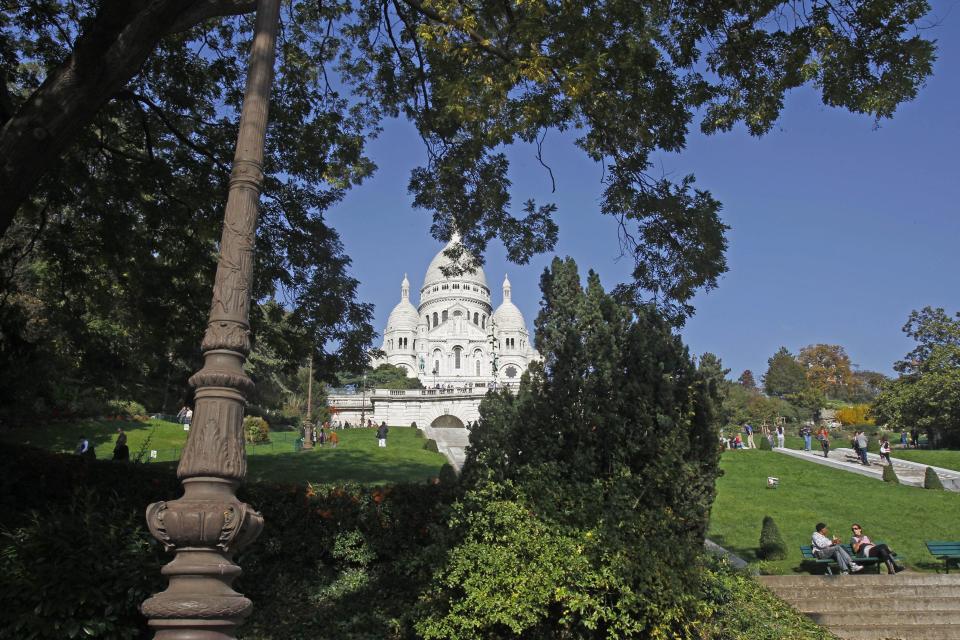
[454,336]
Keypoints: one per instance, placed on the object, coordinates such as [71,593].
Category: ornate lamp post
[208,524]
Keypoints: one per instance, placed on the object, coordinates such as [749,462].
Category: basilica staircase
[907,606]
[451,442]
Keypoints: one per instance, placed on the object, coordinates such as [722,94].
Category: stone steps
[908,606]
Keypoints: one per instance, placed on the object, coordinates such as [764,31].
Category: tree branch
[476,37]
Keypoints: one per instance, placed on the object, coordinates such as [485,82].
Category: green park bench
[949,552]
[813,564]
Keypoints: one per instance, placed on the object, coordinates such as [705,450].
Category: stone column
[208,525]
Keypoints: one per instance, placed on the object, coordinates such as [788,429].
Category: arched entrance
[447,421]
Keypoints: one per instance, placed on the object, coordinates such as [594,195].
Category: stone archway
[447,421]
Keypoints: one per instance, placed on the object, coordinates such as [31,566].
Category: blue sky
[839,228]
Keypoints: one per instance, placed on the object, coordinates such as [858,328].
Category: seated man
[826,547]
[863,546]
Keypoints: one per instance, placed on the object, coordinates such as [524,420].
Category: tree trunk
[105,57]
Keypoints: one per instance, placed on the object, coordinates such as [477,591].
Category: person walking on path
[807,434]
[826,547]
[120,449]
[747,429]
[862,447]
[885,451]
[382,435]
[780,436]
[863,546]
[824,437]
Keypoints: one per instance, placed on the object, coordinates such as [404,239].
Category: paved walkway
[451,442]
[909,473]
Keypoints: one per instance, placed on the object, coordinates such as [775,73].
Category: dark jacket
[382,431]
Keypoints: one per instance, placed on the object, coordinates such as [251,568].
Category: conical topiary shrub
[772,546]
[931,480]
[889,475]
[763,443]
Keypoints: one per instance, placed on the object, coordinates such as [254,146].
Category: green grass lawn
[904,517]
[356,459]
[948,459]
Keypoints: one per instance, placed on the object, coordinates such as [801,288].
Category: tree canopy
[926,396]
[785,376]
[117,121]
[599,473]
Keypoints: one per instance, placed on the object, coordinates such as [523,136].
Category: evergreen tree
[785,376]
[746,379]
[772,546]
[611,439]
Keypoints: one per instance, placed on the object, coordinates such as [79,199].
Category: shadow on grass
[64,437]
[327,467]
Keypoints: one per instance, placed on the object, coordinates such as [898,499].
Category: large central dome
[441,260]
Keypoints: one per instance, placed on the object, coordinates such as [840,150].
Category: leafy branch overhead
[475,76]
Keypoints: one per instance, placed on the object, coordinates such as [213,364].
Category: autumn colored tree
[827,368]
[746,379]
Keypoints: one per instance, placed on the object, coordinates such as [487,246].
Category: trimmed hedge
[889,475]
[772,546]
[931,480]
[431,445]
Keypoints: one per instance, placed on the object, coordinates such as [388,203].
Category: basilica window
[435,323]
[476,318]
[434,289]
[428,321]
[457,314]
[478,368]
[456,357]
[443,317]
[444,286]
[455,286]
[511,371]
[483,322]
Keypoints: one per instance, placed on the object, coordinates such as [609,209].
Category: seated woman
[863,547]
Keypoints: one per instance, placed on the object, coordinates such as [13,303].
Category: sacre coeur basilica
[454,341]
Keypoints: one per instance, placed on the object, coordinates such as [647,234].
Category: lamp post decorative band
[208,524]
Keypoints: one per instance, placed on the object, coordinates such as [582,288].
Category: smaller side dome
[404,316]
[507,316]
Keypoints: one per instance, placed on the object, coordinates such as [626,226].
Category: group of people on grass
[86,449]
[324,435]
[826,546]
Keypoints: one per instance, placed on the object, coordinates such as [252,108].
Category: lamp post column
[208,525]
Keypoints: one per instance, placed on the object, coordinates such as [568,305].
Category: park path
[451,442]
[909,473]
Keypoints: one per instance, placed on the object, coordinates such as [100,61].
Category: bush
[129,408]
[737,607]
[889,475]
[772,546]
[855,415]
[931,480]
[256,429]
[54,586]
[763,442]
[448,475]
[431,445]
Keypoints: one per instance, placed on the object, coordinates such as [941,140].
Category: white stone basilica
[452,338]
[458,347]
